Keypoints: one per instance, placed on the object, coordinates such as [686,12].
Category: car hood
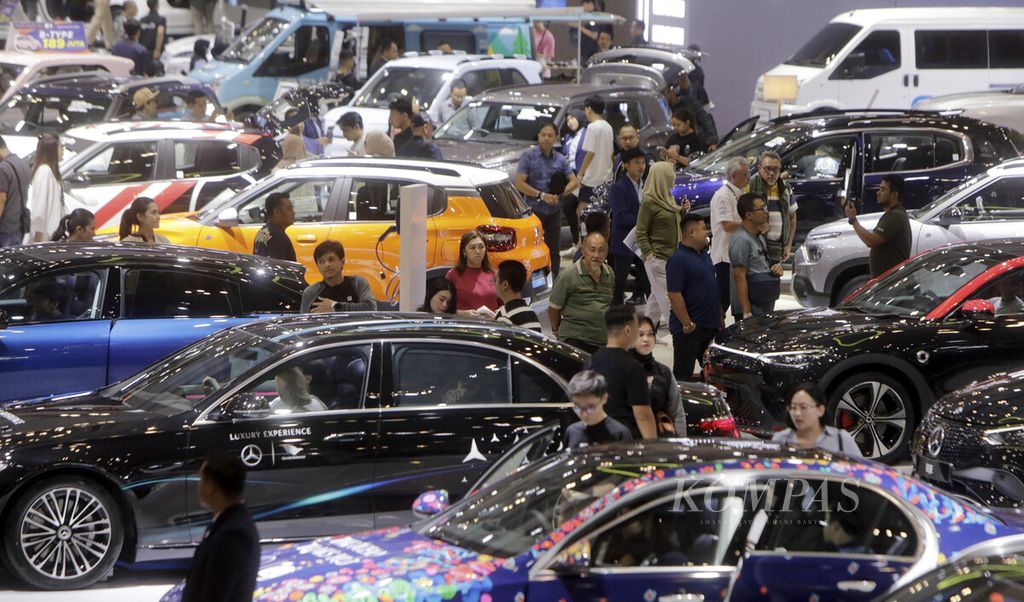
[392,564]
[67,418]
[214,72]
[995,402]
[802,329]
[491,155]
[697,186]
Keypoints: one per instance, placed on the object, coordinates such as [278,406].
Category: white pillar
[412,246]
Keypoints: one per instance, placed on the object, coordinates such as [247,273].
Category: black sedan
[972,441]
[342,420]
[936,323]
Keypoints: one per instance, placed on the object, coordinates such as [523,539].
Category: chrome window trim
[234,390]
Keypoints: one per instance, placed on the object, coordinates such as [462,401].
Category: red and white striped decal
[164,193]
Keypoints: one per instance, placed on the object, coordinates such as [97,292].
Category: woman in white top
[139,222]
[807,424]
[46,192]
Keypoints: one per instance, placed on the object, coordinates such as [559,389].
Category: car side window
[532,385]
[371,200]
[706,529]
[831,517]
[898,152]
[121,163]
[480,80]
[152,293]
[333,379]
[205,158]
[1000,201]
[819,159]
[307,49]
[1006,294]
[309,196]
[471,375]
[512,77]
[876,54]
[57,298]
[619,113]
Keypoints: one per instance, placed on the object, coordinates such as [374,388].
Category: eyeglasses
[772,168]
[800,409]
[585,409]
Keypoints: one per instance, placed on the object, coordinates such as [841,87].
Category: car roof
[29,259]
[921,16]
[559,93]
[451,62]
[437,173]
[147,130]
[884,118]
[95,84]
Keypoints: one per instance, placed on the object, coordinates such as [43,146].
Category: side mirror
[430,503]
[950,217]
[228,218]
[978,312]
[77,178]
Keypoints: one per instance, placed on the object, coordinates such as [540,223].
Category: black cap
[421,119]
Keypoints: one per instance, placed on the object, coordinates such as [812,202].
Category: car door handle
[915,81]
[345,437]
[906,81]
[682,596]
[306,238]
[862,586]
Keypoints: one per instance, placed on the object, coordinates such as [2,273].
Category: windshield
[955,191]
[180,382]
[30,114]
[497,122]
[8,73]
[507,519]
[248,46]
[920,285]
[822,49]
[778,138]
[390,83]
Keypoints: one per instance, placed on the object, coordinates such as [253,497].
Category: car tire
[63,533]
[877,410]
[852,285]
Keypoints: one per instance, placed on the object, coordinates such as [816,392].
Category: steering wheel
[210,385]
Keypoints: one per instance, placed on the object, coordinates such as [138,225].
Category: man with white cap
[145,105]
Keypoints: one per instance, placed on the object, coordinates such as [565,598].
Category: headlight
[813,252]
[1006,435]
[824,235]
[792,359]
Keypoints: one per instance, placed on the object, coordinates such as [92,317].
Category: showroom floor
[147,585]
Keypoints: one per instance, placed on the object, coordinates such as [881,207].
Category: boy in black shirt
[684,141]
[589,393]
[337,292]
[272,241]
[629,398]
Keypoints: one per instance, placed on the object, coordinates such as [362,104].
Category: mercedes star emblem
[935,439]
[251,455]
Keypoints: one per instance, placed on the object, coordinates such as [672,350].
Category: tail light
[498,238]
[723,427]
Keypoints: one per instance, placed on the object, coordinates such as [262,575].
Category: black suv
[58,104]
[495,128]
[926,328]
[826,155]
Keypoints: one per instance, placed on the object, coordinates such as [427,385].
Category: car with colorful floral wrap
[667,520]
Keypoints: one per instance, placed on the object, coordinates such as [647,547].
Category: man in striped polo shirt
[509,285]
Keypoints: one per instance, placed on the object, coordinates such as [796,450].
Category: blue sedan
[79,316]
[668,520]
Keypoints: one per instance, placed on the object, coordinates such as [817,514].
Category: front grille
[961,444]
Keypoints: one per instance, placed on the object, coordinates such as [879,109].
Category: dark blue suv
[825,155]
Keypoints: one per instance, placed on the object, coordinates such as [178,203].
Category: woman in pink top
[543,47]
[473,277]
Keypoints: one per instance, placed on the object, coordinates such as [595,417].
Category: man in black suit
[624,204]
[225,563]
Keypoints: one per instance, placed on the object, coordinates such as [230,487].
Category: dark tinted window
[951,49]
[120,164]
[55,298]
[1001,200]
[167,293]
[481,79]
[619,113]
[205,158]
[307,49]
[876,54]
[1006,49]
[512,77]
[532,385]
[911,151]
[822,48]
[269,297]
[470,376]
[503,200]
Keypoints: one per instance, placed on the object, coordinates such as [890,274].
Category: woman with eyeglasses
[806,418]
[473,278]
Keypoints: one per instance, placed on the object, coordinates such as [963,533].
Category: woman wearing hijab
[657,234]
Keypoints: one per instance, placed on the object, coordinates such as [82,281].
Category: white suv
[833,262]
[428,77]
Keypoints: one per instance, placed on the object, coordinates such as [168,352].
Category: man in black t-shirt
[272,241]
[891,239]
[154,31]
[589,392]
[629,398]
[401,120]
[337,292]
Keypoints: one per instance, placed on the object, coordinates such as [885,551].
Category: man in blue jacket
[624,204]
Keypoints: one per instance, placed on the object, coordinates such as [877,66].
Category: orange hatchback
[355,200]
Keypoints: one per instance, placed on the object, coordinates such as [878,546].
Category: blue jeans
[11,240]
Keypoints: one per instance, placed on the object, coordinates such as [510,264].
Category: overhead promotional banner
[47,37]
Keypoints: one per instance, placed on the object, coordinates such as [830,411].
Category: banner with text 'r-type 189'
[47,37]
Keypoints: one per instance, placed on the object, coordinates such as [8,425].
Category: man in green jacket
[657,234]
[769,184]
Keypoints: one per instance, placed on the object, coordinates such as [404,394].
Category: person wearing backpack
[15,175]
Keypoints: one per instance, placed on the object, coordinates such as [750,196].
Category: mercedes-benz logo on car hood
[935,439]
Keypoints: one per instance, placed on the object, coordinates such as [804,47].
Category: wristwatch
[336,306]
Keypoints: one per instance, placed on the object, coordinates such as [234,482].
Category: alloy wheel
[875,414]
[65,533]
